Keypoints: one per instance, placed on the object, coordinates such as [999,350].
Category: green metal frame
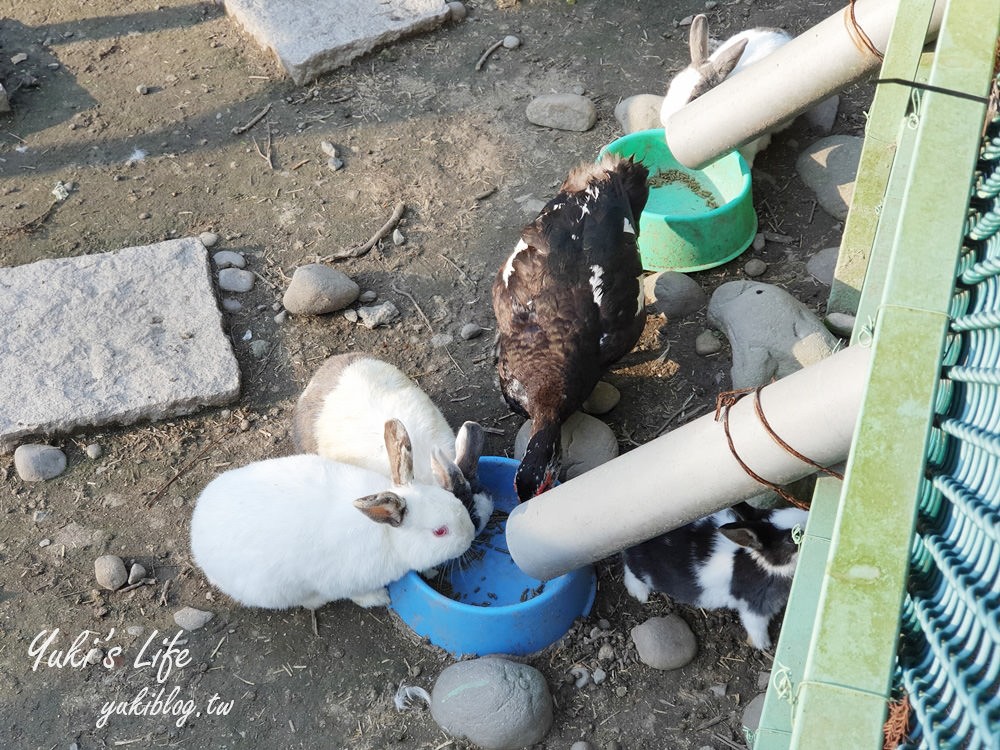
[834,661]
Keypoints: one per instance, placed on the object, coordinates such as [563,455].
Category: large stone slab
[110,338]
[311,37]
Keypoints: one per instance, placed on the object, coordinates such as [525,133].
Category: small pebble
[41,515]
[134,630]
[260,348]
[335,163]
[665,642]
[317,289]
[244,425]
[581,677]
[281,317]
[710,4]
[511,42]
[142,89]
[606,653]
[351,314]
[209,239]
[602,399]
[754,267]
[397,237]
[109,570]
[235,280]
[145,215]
[599,676]
[94,656]
[840,324]
[758,241]
[582,745]
[457,11]
[45,543]
[276,306]
[707,343]
[603,624]
[136,573]
[190,618]
[231,305]
[19,58]
[367,297]
[719,691]
[328,148]
[440,340]
[228,259]
[94,451]
[376,315]
[470,331]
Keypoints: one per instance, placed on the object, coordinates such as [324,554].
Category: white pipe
[819,62]
[690,472]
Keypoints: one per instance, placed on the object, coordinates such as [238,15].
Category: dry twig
[253,121]
[490,50]
[397,214]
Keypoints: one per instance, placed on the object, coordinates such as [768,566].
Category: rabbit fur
[707,71]
[741,559]
[284,532]
[342,409]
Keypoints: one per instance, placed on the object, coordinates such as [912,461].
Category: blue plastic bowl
[497,608]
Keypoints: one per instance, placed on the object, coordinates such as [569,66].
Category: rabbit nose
[440,531]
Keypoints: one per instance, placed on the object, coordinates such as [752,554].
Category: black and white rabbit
[303,530]
[706,71]
[341,412]
[740,559]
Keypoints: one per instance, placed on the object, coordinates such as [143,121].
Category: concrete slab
[111,338]
[311,37]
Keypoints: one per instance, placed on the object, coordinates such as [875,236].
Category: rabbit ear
[698,39]
[385,507]
[723,65]
[447,473]
[469,445]
[397,443]
[741,534]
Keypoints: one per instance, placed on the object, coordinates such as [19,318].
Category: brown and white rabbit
[342,409]
[740,559]
[707,71]
[303,530]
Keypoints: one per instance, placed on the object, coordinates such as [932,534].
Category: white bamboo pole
[690,472]
[819,62]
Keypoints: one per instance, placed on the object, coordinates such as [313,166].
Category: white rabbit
[341,412]
[283,533]
[706,72]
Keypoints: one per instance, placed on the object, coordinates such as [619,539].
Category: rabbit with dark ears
[304,530]
[740,559]
[707,71]
[340,415]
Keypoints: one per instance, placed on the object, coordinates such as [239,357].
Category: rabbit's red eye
[440,531]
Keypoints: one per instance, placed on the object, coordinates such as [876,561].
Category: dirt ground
[414,123]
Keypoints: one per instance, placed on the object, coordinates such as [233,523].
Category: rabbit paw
[377,598]
[756,627]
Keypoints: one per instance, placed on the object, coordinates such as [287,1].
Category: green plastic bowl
[694,218]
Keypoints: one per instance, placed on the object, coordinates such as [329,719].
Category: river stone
[190,618]
[665,642]
[829,167]
[639,112]
[109,570]
[229,259]
[562,112]
[674,294]
[771,333]
[586,442]
[316,289]
[822,265]
[136,573]
[602,399]
[707,343]
[36,463]
[209,239]
[755,267]
[235,280]
[495,703]
[373,316]
[840,324]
